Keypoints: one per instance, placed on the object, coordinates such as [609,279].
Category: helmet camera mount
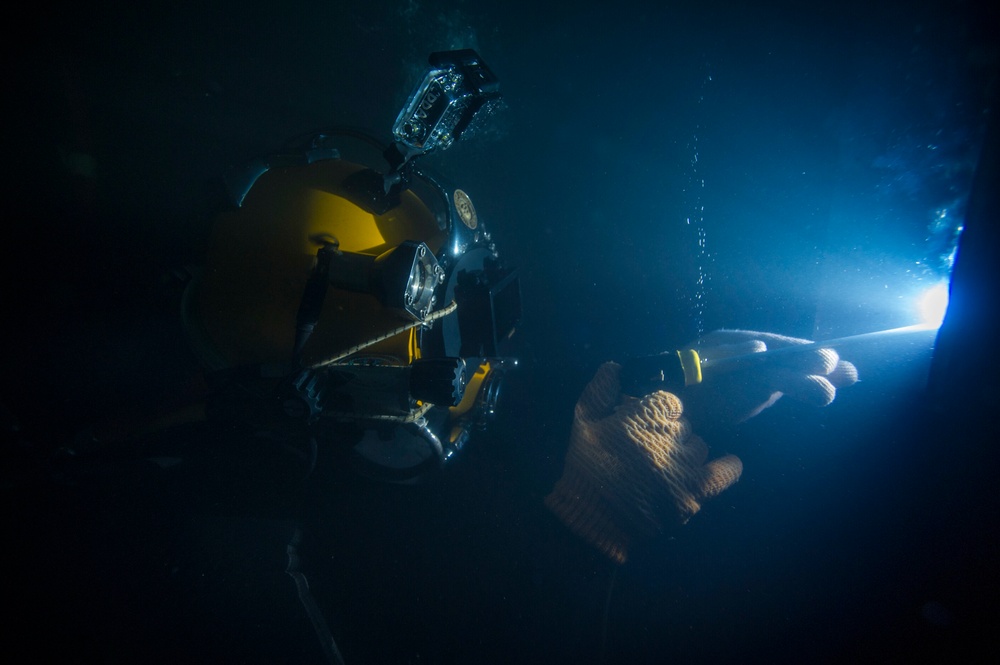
[455,86]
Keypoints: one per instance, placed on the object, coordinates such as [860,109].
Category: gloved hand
[730,395]
[632,465]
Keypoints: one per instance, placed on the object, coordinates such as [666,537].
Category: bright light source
[933,303]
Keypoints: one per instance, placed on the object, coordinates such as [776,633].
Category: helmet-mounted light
[403,278]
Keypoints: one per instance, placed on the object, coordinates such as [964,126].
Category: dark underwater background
[656,171]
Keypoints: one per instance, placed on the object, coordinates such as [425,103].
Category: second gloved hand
[736,393]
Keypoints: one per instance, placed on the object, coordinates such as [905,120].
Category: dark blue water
[656,173]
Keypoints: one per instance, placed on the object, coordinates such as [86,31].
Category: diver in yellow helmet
[354,294]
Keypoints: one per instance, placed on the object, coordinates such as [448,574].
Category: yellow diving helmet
[367,303]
